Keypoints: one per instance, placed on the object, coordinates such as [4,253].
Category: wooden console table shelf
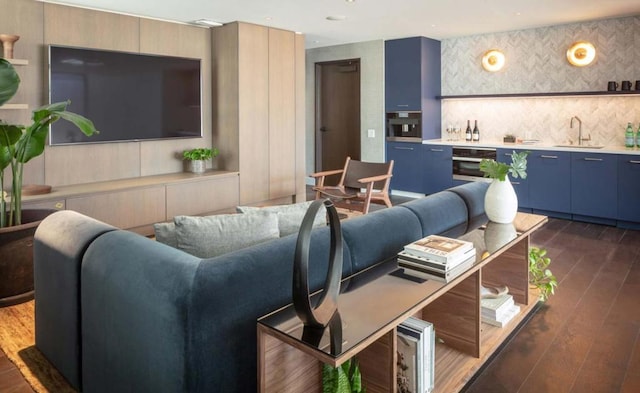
[373,303]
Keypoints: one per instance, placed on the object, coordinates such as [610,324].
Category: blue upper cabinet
[412,80]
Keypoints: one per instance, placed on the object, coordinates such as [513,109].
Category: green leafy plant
[19,144]
[499,170]
[200,154]
[345,378]
[539,274]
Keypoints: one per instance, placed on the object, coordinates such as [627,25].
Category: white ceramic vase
[501,201]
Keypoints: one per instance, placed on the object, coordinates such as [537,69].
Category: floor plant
[539,274]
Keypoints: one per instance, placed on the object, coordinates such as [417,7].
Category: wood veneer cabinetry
[138,203]
[257,116]
[380,302]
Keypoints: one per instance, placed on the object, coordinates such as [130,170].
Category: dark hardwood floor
[584,339]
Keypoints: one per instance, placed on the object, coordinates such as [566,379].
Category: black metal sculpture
[321,315]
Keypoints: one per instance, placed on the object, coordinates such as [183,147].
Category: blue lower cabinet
[628,188]
[549,178]
[594,185]
[521,186]
[408,172]
[437,172]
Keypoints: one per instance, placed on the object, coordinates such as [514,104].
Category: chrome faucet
[580,139]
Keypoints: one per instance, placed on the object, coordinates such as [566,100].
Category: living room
[251,181]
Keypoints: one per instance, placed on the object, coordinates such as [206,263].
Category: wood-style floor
[586,338]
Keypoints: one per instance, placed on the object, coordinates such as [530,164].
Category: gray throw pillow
[166,233]
[289,216]
[210,236]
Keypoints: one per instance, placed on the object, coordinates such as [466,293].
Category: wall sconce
[581,53]
[493,60]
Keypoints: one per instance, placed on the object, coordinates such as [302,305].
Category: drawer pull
[59,205]
[436,149]
[403,148]
[515,183]
[550,157]
[634,162]
[403,105]
[592,159]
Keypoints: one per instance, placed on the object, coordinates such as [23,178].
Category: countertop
[613,149]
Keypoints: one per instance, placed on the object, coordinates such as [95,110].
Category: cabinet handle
[403,148]
[634,162]
[403,105]
[592,159]
[508,154]
[436,149]
[515,183]
[550,157]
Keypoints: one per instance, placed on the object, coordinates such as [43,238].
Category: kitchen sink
[581,146]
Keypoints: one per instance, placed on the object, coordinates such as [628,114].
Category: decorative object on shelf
[581,53]
[197,158]
[345,378]
[493,60]
[18,145]
[509,138]
[501,201]
[539,274]
[320,316]
[8,41]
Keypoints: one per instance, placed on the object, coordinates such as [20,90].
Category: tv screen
[128,96]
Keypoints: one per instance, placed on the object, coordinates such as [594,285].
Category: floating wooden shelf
[540,95]
[14,106]
[19,62]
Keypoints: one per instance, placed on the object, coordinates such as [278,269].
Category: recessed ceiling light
[207,22]
[350,1]
[336,17]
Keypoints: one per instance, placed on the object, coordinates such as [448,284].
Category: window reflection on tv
[128,96]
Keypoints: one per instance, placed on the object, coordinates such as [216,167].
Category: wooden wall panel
[207,196]
[301,191]
[81,27]
[253,113]
[282,113]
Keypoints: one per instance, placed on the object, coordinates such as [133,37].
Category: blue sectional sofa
[118,312]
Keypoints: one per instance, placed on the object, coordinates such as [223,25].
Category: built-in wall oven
[466,162]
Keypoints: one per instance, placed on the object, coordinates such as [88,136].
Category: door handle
[323,129]
[550,157]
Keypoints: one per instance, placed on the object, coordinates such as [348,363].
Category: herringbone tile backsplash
[536,63]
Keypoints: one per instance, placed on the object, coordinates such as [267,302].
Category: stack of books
[437,257]
[499,311]
[416,356]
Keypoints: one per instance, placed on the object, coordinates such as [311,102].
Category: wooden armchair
[357,175]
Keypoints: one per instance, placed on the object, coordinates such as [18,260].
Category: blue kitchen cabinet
[437,171]
[408,166]
[413,80]
[549,178]
[521,186]
[594,186]
[628,190]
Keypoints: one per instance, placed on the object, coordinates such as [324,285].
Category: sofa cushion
[289,216]
[211,236]
[166,233]
[443,213]
[473,195]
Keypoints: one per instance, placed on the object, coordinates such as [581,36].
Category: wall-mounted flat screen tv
[128,96]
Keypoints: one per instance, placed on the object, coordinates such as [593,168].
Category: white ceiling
[375,19]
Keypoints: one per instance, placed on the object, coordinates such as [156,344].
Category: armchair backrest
[355,170]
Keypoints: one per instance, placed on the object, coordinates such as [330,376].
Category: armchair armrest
[374,178]
[327,173]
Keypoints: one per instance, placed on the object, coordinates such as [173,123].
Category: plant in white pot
[501,201]
[197,158]
[18,145]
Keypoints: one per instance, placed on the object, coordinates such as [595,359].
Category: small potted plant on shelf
[539,274]
[501,201]
[197,158]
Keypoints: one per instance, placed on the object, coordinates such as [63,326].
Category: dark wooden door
[337,114]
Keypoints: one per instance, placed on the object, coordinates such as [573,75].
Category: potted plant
[539,274]
[18,145]
[345,378]
[501,201]
[197,157]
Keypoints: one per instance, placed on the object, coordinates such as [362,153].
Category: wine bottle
[476,132]
[629,136]
[638,137]
[467,135]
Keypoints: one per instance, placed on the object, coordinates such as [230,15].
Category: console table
[373,303]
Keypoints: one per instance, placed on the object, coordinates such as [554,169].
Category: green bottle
[638,137]
[629,136]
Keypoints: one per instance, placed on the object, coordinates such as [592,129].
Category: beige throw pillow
[289,216]
[210,236]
